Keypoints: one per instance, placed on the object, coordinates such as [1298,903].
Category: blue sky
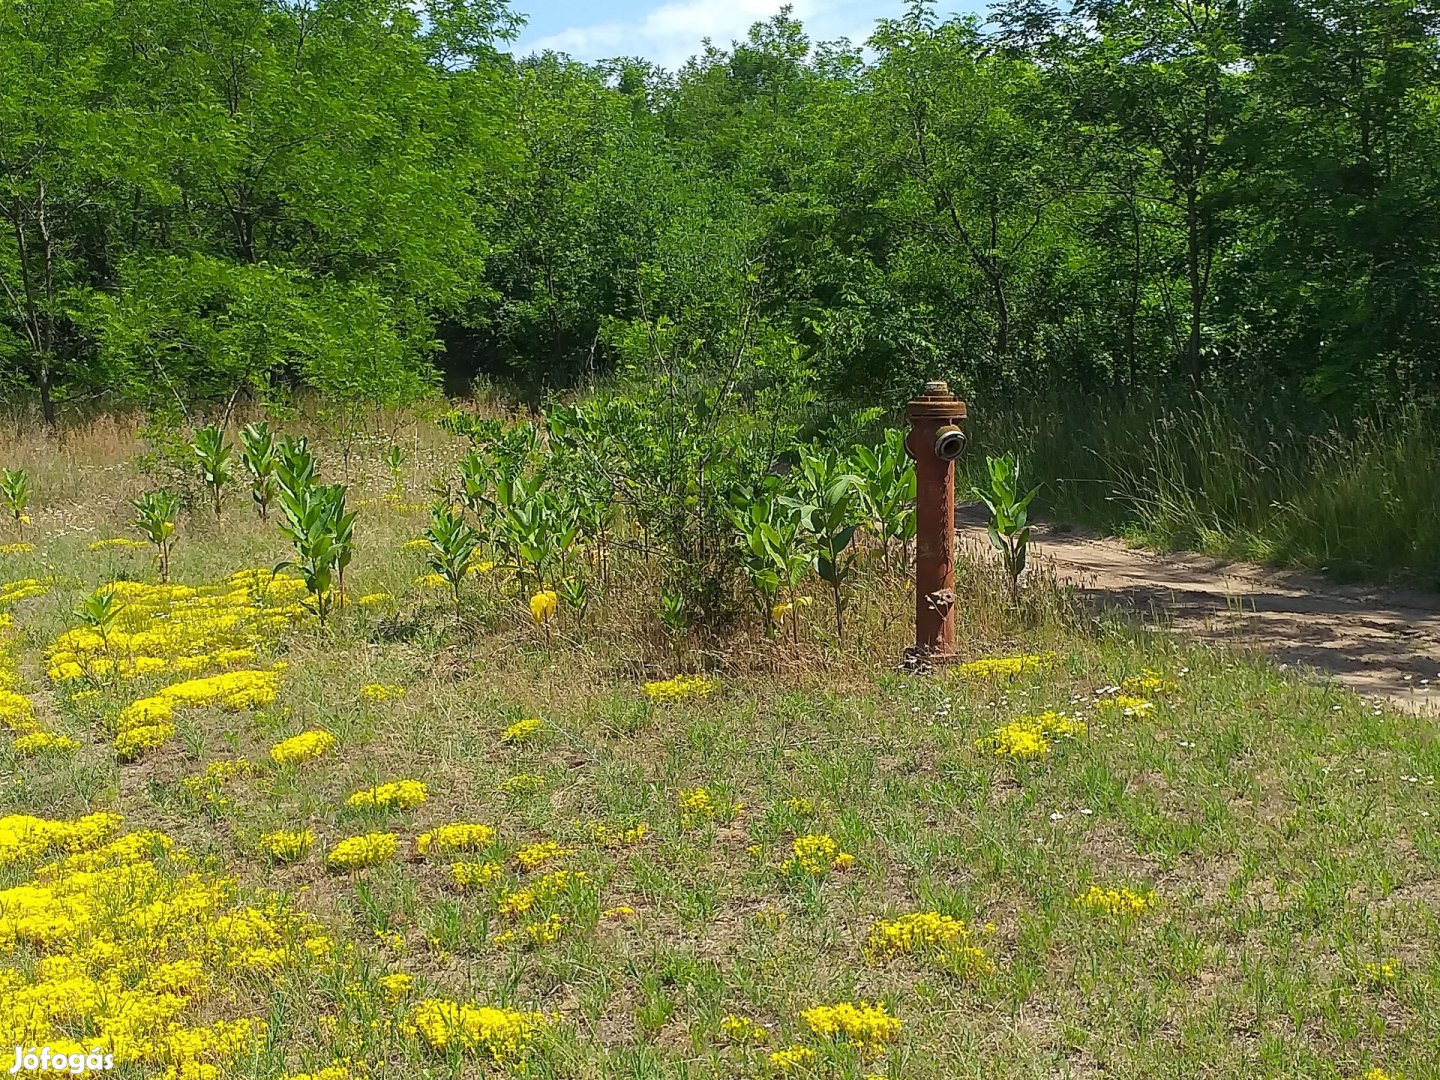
[669,31]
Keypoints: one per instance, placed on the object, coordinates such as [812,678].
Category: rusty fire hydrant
[935,441]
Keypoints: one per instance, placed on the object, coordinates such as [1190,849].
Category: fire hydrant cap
[936,403]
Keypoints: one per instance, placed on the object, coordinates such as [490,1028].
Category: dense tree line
[204,198]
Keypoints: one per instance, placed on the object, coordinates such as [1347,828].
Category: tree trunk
[1197,286]
[47,401]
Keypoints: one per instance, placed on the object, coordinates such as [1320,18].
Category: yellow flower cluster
[396,795]
[521,784]
[374,599]
[927,933]
[698,804]
[1115,902]
[147,723]
[742,1030]
[357,852]
[475,875]
[12,592]
[17,712]
[396,985]
[1128,705]
[545,888]
[116,542]
[1030,736]
[1148,682]
[793,1059]
[287,845]
[680,688]
[177,629]
[545,931]
[817,854]
[306,746]
[16,549]
[534,856]
[521,731]
[215,772]
[45,742]
[1384,971]
[800,806]
[868,1026]
[330,1072]
[505,1036]
[616,837]
[381,691]
[991,667]
[23,837]
[209,783]
[460,836]
[125,946]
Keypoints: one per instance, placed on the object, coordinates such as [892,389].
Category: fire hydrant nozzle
[936,439]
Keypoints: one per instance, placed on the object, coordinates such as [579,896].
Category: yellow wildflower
[460,836]
[521,784]
[1148,682]
[397,985]
[134,741]
[533,856]
[303,747]
[16,549]
[1115,902]
[116,542]
[545,931]
[361,851]
[543,606]
[1000,666]
[617,837]
[680,688]
[1030,736]
[926,933]
[817,854]
[398,795]
[470,875]
[742,1030]
[381,691]
[375,598]
[505,1036]
[793,1059]
[44,742]
[287,845]
[868,1026]
[1128,705]
[698,805]
[521,731]
[1383,971]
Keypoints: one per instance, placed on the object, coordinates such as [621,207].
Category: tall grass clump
[1358,498]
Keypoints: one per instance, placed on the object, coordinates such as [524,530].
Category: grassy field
[1266,480]
[1120,857]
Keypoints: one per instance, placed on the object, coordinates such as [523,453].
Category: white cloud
[672,32]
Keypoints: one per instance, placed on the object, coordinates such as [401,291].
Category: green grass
[1273,482]
[1287,831]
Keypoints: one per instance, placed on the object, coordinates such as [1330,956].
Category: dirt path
[1380,642]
